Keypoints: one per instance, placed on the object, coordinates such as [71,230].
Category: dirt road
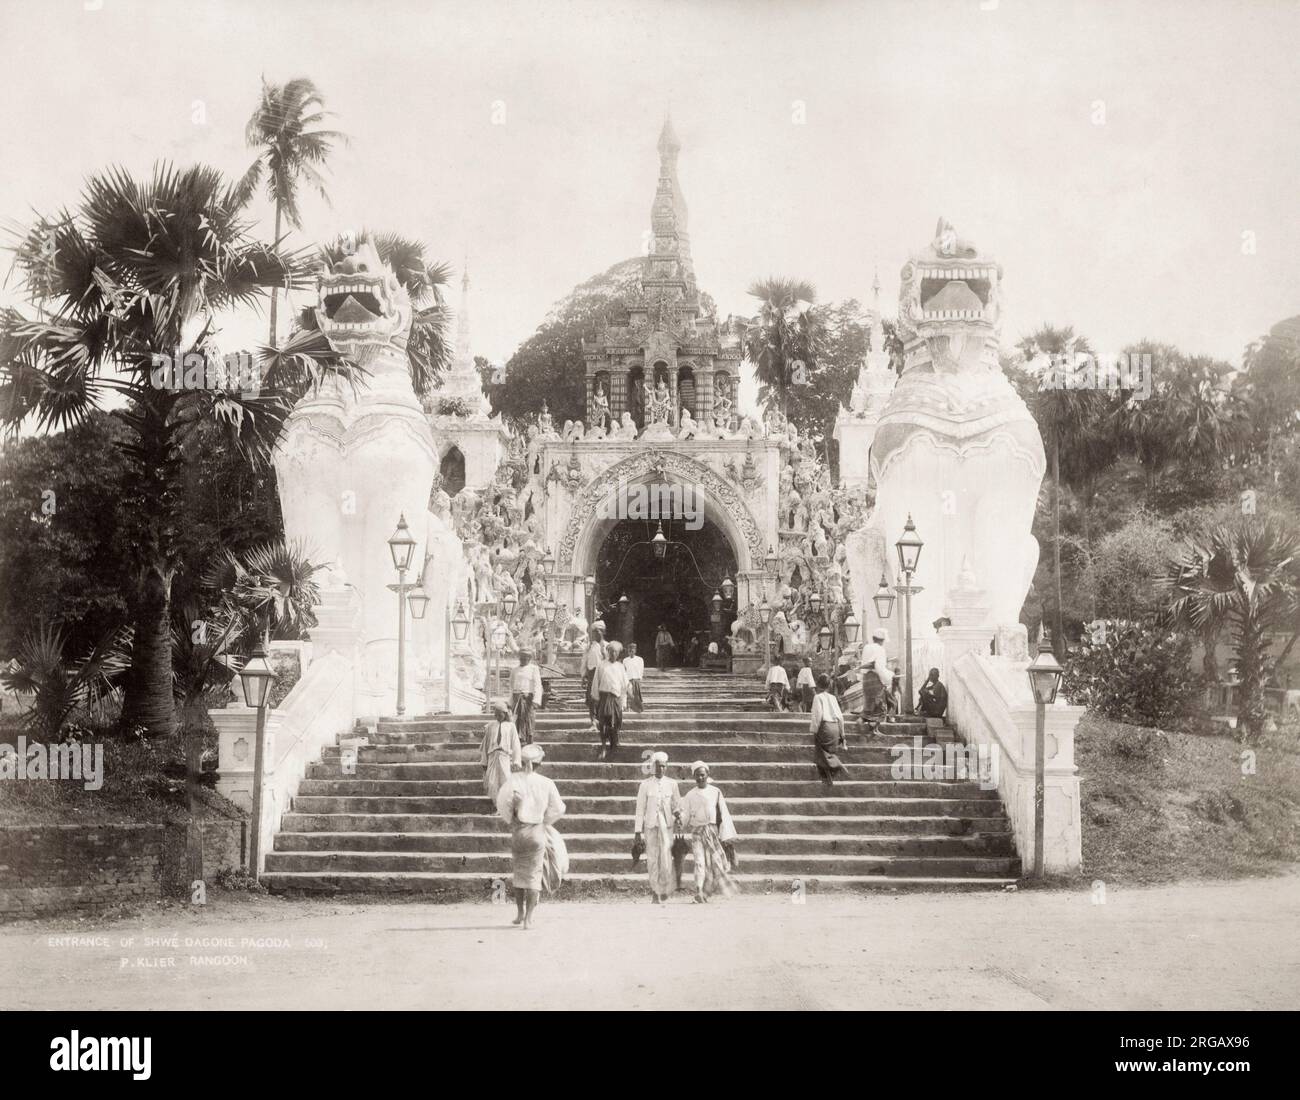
[1192,946]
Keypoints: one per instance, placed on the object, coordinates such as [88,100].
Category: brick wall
[51,868]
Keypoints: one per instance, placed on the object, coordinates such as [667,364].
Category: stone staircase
[413,816]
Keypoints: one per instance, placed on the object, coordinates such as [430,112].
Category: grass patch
[144,782]
[1161,806]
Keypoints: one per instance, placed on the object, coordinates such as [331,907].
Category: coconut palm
[1244,578]
[139,270]
[785,332]
[291,152]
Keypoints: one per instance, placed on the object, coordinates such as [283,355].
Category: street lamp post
[765,617]
[1045,674]
[256,678]
[909,553]
[402,547]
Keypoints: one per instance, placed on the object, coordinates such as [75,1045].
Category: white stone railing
[990,704]
[315,712]
[319,707]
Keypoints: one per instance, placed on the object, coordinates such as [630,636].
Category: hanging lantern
[548,609]
[771,560]
[659,543]
[765,612]
[728,589]
[499,636]
[548,562]
[824,637]
[417,599]
[852,628]
[589,585]
[508,603]
[815,601]
[717,602]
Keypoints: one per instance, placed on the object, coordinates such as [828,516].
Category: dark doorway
[674,591]
[452,469]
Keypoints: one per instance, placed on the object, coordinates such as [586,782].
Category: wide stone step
[631,771]
[681,752]
[621,804]
[763,721]
[997,844]
[472,884]
[807,787]
[498,863]
[480,821]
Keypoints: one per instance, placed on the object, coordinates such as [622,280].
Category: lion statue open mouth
[949,304]
[362,306]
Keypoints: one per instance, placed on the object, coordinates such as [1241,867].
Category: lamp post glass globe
[659,543]
[548,609]
[815,600]
[460,624]
[499,636]
[771,560]
[728,588]
[1045,674]
[256,678]
[909,547]
[589,584]
[851,628]
[716,601]
[824,638]
[884,599]
[402,546]
[765,612]
[548,562]
[418,600]
[508,603]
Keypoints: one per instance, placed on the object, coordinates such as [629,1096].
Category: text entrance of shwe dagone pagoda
[643,583]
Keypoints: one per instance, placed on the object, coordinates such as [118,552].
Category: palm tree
[137,271]
[1069,415]
[785,332]
[290,151]
[60,687]
[270,585]
[1244,577]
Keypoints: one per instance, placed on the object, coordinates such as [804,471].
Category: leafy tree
[140,270]
[291,150]
[1138,673]
[272,586]
[548,366]
[1126,565]
[1244,578]
[61,550]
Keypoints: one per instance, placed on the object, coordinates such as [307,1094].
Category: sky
[1134,167]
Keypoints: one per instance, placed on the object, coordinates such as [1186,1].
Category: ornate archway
[721,501]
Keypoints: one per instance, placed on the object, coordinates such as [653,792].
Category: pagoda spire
[669,261]
[462,319]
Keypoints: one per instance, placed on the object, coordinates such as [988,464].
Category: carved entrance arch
[721,498]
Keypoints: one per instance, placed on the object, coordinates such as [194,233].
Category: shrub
[1140,673]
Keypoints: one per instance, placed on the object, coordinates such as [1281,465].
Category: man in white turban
[705,815]
[658,812]
[499,752]
[530,804]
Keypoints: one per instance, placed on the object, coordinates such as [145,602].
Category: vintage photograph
[651,505]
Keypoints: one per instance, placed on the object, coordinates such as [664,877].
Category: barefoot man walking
[528,803]
[658,811]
